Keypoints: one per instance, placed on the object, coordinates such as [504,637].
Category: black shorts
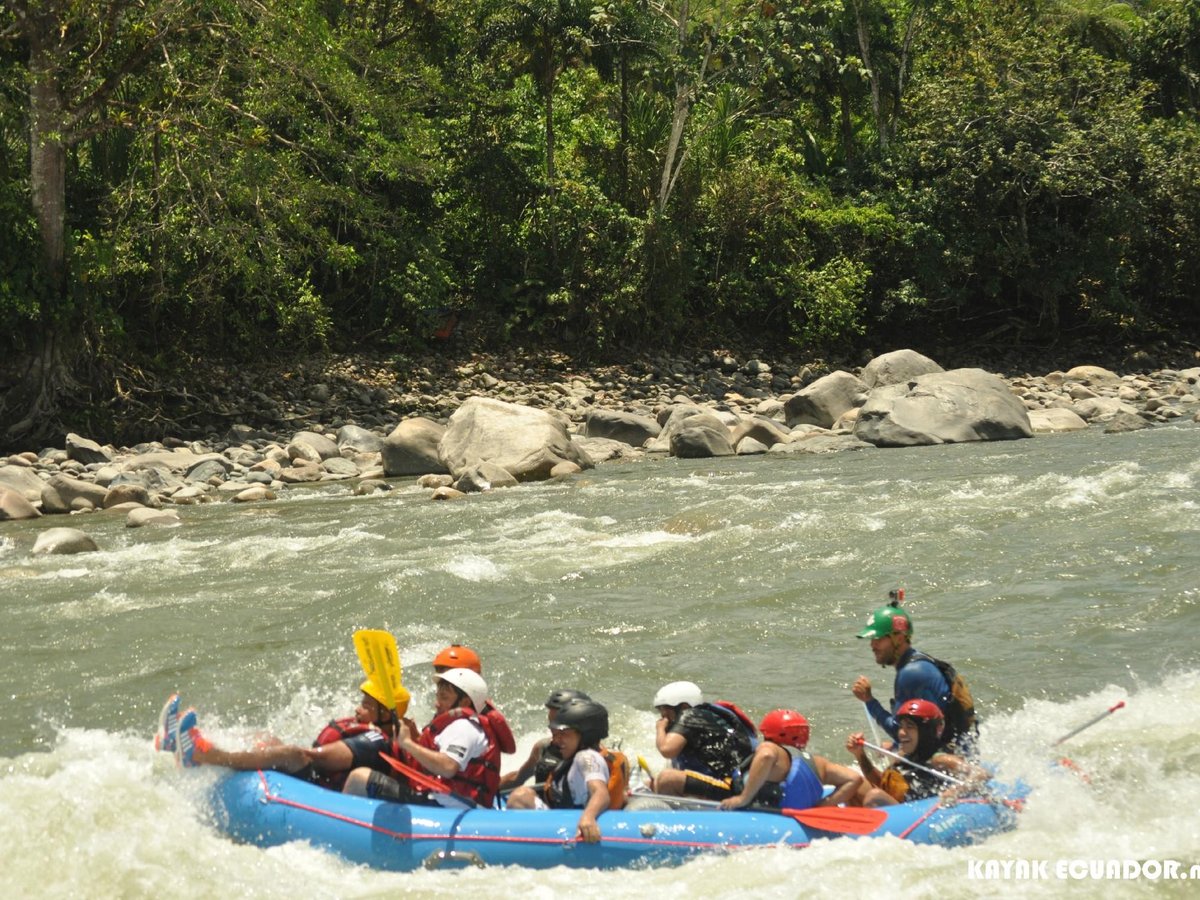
[385,787]
[707,786]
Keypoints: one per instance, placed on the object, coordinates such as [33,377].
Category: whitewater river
[1060,574]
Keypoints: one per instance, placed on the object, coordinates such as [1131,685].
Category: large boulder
[358,439]
[896,367]
[699,437]
[484,477]
[943,408]
[1054,420]
[412,449]
[527,442]
[62,494]
[302,441]
[1102,409]
[1094,376]
[628,427]
[757,428]
[23,480]
[62,541]
[86,451]
[14,506]
[823,402]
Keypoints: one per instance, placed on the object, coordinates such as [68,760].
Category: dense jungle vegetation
[183,179]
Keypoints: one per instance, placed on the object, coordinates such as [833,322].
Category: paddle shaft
[906,761]
[428,782]
[1089,723]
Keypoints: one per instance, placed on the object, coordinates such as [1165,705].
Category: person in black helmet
[544,755]
[581,779]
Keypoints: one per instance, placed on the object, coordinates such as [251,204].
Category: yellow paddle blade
[381,664]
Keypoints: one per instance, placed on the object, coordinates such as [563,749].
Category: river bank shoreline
[377,388]
[253,432]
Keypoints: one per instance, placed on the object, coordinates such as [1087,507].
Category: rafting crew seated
[925,769]
[343,745]
[544,756]
[456,656]
[704,742]
[458,748]
[783,774]
[583,779]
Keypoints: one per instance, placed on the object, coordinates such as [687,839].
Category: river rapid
[1059,574]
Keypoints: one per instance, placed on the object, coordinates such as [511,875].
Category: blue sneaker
[184,740]
[168,723]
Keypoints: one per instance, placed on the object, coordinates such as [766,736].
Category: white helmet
[678,692]
[470,683]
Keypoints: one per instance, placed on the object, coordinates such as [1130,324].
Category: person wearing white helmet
[705,743]
[457,747]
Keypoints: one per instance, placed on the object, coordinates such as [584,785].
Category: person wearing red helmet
[456,656]
[782,773]
[920,725]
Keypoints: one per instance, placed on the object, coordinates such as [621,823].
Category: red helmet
[456,656]
[923,710]
[785,726]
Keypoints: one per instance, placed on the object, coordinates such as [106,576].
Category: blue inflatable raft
[268,809]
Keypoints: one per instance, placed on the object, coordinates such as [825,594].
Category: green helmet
[885,621]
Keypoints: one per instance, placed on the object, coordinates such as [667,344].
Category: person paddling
[456,656]
[782,773]
[915,777]
[458,747]
[919,676]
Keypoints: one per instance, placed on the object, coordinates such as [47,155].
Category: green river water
[1060,575]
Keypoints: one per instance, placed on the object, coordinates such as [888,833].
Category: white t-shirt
[462,740]
[588,765]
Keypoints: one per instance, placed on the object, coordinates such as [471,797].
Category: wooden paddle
[834,819]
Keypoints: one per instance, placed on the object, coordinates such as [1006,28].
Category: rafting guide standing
[919,676]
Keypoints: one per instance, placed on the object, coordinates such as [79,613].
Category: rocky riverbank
[487,421]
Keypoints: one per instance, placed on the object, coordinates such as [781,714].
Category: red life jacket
[504,735]
[481,778]
[336,730]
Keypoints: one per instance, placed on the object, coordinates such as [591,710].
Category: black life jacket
[958,706]
[546,763]
[731,739]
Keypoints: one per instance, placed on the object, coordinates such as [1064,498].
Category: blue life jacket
[800,789]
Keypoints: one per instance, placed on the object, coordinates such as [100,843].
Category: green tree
[79,56]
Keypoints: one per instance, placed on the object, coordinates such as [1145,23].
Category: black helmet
[587,717]
[560,698]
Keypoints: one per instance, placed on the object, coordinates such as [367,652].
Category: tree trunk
[48,166]
[864,46]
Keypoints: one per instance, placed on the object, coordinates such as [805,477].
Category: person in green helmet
[919,676]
